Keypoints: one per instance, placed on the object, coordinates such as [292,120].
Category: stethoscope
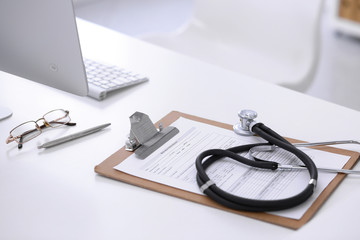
[248,127]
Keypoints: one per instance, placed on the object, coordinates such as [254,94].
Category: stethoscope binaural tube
[275,139]
[208,187]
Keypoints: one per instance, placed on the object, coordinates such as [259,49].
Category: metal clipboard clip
[144,138]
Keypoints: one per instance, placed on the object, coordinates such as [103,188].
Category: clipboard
[106,168]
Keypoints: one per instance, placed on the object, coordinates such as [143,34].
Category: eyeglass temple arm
[20,144]
[10,139]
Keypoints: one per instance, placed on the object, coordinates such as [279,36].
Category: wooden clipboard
[106,168]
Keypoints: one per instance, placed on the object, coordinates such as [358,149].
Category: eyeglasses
[31,129]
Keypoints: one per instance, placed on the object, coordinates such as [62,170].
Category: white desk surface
[55,194]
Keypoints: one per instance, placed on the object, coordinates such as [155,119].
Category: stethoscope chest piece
[246,121]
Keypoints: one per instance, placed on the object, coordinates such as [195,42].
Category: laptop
[39,41]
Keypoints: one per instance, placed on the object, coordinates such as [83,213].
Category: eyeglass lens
[25,132]
[57,117]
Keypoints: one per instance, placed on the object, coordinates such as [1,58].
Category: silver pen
[73,136]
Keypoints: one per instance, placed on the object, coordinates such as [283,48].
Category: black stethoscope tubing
[246,204]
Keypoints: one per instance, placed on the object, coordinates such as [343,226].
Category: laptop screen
[39,41]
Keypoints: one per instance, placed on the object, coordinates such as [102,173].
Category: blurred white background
[338,75]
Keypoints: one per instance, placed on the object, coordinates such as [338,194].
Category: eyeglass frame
[11,138]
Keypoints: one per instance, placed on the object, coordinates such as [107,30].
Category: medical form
[173,164]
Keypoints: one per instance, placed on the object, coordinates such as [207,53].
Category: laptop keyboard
[106,78]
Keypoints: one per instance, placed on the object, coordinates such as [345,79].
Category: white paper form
[173,164]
